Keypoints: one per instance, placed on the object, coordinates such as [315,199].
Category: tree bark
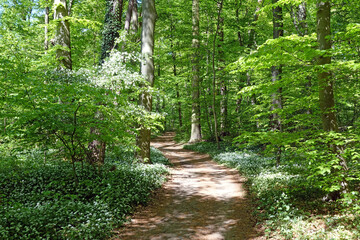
[97,147]
[128,16]
[147,70]
[299,19]
[62,35]
[252,31]
[223,82]
[46,31]
[276,70]
[326,89]
[134,18]
[275,120]
[251,45]
[240,38]
[220,5]
[195,114]
[112,25]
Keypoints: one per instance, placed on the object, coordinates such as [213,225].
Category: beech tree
[326,87]
[195,83]
[276,71]
[112,26]
[147,71]
[62,35]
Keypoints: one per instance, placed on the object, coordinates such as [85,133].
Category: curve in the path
[202,200]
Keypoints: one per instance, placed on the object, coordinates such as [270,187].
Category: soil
[201,201]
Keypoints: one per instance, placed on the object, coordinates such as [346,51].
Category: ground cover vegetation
[84,82]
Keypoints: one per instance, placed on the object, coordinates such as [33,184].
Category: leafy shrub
[157,156]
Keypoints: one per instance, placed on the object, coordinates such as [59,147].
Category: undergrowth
[41,200]
[288,205]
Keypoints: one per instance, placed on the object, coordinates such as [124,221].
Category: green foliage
[157,157]
[41,200]
[112,26]
[287,201]
[59,108]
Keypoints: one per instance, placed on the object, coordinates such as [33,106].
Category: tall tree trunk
[128,16]
[276,70]
[220,5]
[131,22]
[253,96]
[240,38]
[97,147]
[252,31]
[134,23]
[62,35]
[147,70]
[299,19]
[173,55]
[70,5]
[326,88]
[195,114]
[223,82]
[207,88]
[275,121]
[252,44]
[112,25]
[177,91]
[46,31]
[179,105]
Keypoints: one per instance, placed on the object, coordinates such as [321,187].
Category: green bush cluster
[43,201]
[157,157]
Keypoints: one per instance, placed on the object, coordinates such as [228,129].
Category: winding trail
[201,201]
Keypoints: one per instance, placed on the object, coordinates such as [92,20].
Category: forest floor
[202,201]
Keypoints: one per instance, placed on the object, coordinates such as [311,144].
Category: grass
[288,205]
[42,201]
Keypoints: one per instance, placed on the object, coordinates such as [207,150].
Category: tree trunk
[62,35]
[128,16]
[195,114]
[252,31]
[179,105]
[299,19]
[46,31]
[97,149]
[223,83]
[220,5]
[134,18]
[147,70]
[275,121]
[112,25]
[240,38]
[177,92]
[276,70]
[173,55]
[326,89]
[251,45]
[253,96]
[112,22]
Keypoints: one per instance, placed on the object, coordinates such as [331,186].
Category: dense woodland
[274,84]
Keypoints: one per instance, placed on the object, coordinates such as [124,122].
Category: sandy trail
[202,200]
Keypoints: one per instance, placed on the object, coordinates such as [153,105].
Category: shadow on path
[202,200]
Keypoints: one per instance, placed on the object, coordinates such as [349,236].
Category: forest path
[202,201]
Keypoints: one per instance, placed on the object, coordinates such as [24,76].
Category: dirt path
[202,200]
